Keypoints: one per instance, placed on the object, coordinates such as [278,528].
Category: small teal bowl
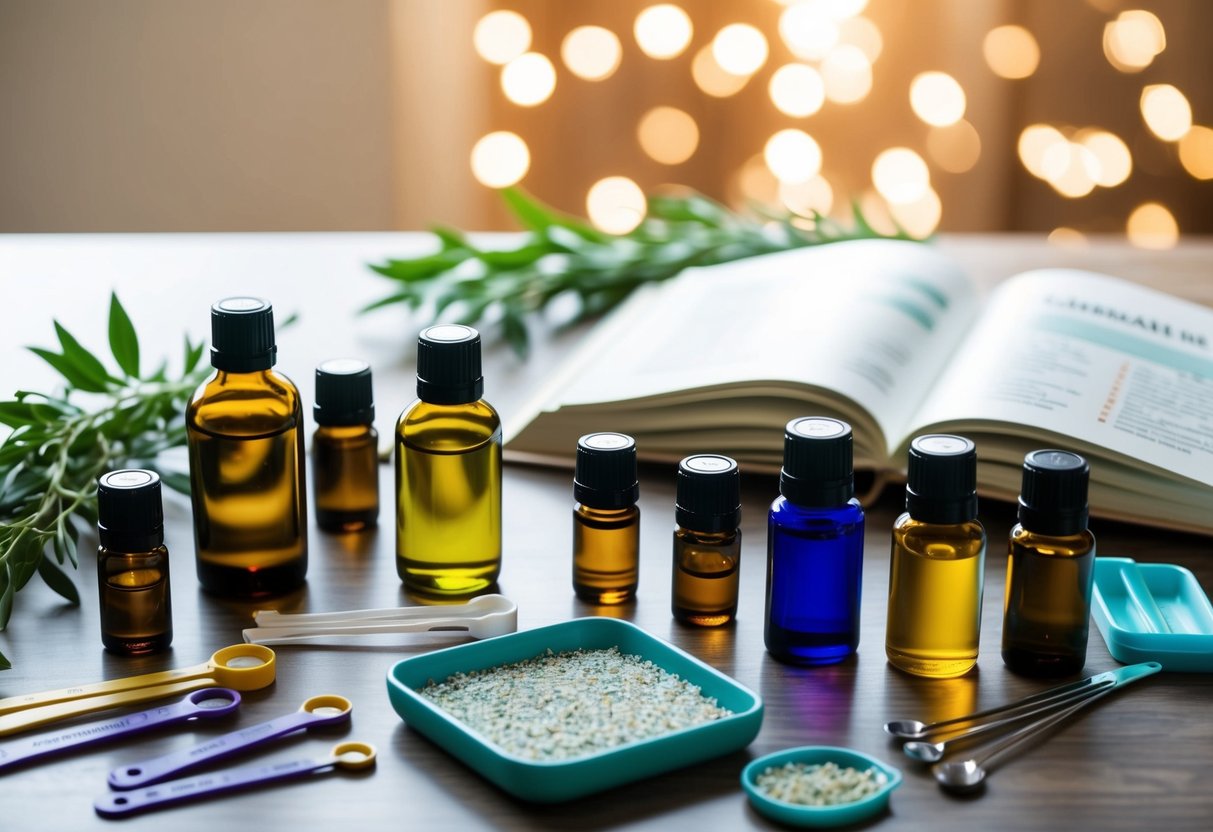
[795,814]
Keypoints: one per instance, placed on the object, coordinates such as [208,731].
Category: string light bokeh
[798,73]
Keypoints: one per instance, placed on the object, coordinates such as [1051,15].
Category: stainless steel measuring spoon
[202,704]
[347,755]
[318,710]
[968,775]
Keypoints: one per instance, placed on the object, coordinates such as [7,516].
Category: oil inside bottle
[136,613]
[1048,608]
[606,554]
[706,577]
[345,475]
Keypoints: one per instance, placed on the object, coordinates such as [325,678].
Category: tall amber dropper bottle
[448,471]
[606,521]
[245,432]
[938,562]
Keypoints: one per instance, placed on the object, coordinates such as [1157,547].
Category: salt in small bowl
[795,814]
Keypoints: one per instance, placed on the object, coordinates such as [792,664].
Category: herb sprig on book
[560,255]
[104,418]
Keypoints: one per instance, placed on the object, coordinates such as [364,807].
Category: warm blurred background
[1068,118]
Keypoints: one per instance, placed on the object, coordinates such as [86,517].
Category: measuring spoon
[240,667]
[347,755]
[318,710]
[205,704]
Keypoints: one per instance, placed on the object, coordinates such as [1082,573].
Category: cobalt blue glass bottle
[814,547]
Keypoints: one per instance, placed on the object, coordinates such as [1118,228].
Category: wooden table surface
[1136,761]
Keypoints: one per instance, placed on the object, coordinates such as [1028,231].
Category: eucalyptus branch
[50,462]
[560,256]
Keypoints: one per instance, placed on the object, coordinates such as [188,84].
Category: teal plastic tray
[553,781]
[1153,612]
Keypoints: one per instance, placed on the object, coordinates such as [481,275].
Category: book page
[870,320]
[1107,362]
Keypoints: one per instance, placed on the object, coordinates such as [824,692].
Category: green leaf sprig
[561,255]
[50,463]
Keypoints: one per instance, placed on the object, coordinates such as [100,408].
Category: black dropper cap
[130,517]
[242,335]
[709,494]
[1053,498]
[605,473]
[818,455]
[448,365]
[343,393]
[942,481]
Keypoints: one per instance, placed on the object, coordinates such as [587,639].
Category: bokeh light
[1064,237]
[1115,163]
[808,30]
[862,34]
[847,74]
[711,78]
[806,197]
[1166,111]
[591,52]
[793,156]
[955,148]
[937,98]
[1034,143]
[921,217]
[528,80]
[615,204]
[1011,52]
[1196,152]
[901,175]
[797,90]
[668,135]
[756,182]
[663,31]
[1070,168]
[1151,225]
[500,159]
[1133,40]
[501,36]
[740,49]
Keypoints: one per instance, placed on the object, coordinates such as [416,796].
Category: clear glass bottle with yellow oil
[938,562]
[448,471]
[245,431]
[345,447]
[707,541]
[606,521]
[132,564]
[1050,569]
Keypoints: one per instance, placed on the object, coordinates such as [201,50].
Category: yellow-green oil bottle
[448,471]
[606,521]
[244,427]
[938,561]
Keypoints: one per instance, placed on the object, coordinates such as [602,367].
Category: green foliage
[560,255]
[50,462]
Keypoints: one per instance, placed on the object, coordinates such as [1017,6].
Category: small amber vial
[345,447]
[606,521]
[707,541]
[132,564]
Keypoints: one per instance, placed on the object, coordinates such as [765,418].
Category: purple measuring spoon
[318,710]
[348,755]
[207,703]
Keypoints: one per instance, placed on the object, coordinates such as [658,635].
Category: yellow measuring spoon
[240,667]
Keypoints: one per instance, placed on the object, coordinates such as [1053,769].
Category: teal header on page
[1124,342]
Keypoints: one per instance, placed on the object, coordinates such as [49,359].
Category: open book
[892,338]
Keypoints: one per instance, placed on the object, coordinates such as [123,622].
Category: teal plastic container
[795,814]
[554,781]
[1153,612]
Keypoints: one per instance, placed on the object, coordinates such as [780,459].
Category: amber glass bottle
[132,564]
[1050,569]
[606,521]
[707,541]
[938,562]
[245,431]
[345,447]
[448,471]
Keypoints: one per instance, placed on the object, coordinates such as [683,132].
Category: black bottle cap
[1053,499]
[448,365]
[343,393]
[130,517]
[942,481]
[709,494]
[242,335]
[818,455]
[605,474]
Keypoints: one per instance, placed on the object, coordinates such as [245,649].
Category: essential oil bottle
[814,547]
[938,562]
[606,521]
[707,542]
[245,432]
[132,564]
[448,471]
[345,447]
[1050,569]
